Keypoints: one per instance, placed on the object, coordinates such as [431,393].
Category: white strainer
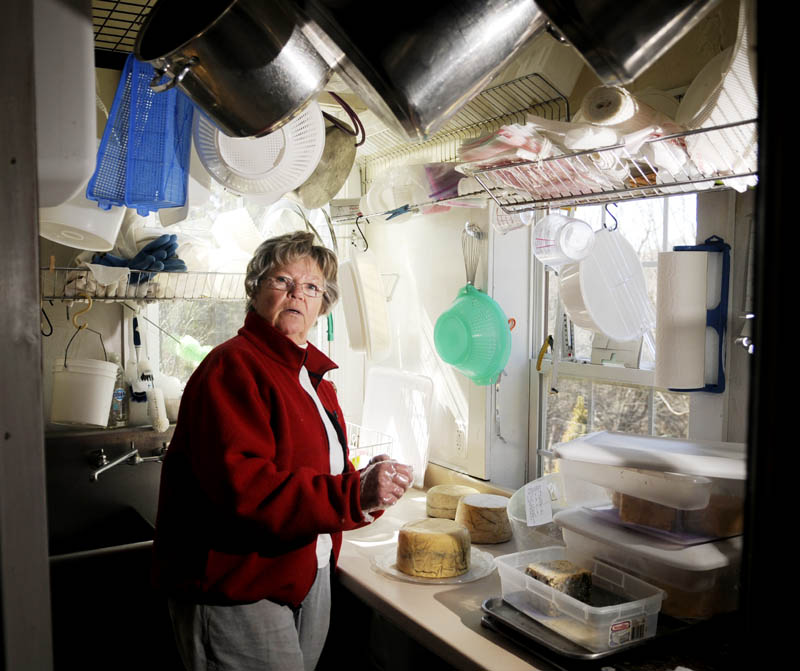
[270,165]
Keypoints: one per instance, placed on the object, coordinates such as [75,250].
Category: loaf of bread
[442,500]
[485,516]
[433,548]
[564,576]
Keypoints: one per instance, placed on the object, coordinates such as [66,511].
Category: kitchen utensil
[427,59]
[336,162]
[620,45]
[606,291]
[267,166]
[246,63]
[143,160]
[142,364]
[474,334]
[558,240]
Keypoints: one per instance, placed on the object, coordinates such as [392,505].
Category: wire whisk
[472,238]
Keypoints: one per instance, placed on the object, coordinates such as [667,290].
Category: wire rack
[72,283]
[695,160]
[116,24]
[492,108]
[364,443]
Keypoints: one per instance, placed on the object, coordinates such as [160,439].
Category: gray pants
[259,636]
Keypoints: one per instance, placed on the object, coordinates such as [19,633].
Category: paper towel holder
[716,317]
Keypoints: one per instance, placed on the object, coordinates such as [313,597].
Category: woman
[256,487]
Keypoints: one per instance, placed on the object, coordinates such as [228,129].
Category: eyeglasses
[281,283]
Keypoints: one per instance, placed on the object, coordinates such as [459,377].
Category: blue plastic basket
[143,160]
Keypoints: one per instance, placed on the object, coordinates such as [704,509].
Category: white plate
[692,111]
[481,565]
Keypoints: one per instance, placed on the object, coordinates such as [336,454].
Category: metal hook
[49,323]
[366,244]
[616,223]
[80,312]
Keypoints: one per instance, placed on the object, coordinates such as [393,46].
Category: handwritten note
[538,506]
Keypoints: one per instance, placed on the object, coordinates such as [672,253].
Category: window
[593,396]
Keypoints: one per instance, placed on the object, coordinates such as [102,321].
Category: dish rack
[580,178]
[364,443]
[72,283]
[494,107]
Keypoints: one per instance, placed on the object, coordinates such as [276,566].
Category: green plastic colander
[474,336]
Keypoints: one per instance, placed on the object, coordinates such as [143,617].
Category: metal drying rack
[578,178]
[69,284]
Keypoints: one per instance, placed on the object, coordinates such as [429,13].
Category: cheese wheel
[442,500]
[433,548]
[485,517]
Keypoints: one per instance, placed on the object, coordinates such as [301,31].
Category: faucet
[131,457]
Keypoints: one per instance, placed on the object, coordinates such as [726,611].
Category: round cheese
[442,500]
[485,516]
[433,548]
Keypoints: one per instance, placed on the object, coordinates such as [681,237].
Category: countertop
[447,618]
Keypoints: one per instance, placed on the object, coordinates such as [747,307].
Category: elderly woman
[256,488]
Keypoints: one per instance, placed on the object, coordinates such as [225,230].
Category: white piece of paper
[538,506]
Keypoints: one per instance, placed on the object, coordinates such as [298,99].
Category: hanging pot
[245,63]
[337,160]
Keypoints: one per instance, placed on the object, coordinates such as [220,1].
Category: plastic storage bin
[699,580]
[631,616]
[143,160]
[671,485]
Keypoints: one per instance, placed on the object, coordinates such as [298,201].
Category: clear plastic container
[558,239]
[699,580]
[630,616]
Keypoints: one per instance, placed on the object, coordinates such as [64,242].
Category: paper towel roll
[681,320]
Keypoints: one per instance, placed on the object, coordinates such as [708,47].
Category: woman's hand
[383,482]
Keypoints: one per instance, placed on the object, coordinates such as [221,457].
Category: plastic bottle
[118,415]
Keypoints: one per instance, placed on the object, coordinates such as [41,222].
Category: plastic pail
[82,392]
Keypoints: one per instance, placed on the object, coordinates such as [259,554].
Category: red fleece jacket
[246,484]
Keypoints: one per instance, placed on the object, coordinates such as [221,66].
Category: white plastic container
[82,392]
[676,490]
[66,124]
[597,628]
[80,223]
[699,580]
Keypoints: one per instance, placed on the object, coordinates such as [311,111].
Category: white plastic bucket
[82,392]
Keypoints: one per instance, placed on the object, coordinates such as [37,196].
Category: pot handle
[353,117]
[172,79]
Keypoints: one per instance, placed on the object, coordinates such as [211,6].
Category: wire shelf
[364,443]
[68,284]
[492,108]
[695,160]
[116,23]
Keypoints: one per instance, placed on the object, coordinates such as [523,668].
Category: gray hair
[284,249]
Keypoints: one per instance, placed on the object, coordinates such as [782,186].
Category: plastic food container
[699,580]
[632,613]
[677,486]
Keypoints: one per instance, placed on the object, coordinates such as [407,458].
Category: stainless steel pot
[415,64]
[620,40]
[246,63]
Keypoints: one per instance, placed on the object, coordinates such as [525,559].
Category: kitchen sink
[121,527]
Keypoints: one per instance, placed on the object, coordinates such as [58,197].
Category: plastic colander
[270,165]
[474,336]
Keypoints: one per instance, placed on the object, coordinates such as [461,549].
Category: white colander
[267,166]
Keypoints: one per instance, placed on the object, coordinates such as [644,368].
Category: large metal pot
[415,64]
[246,63]
[620,40]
